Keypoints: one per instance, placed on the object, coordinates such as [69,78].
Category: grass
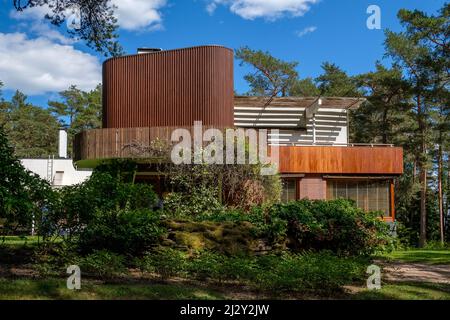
[55,289]
[18,241]
[407,291]
[420,256]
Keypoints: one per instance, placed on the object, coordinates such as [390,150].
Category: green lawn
[407,291]
[50,289]
[17,241]
[420,255]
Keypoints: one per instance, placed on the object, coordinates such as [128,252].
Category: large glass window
[368,195]
[289,192]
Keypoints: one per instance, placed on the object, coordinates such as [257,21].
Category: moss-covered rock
[225,237]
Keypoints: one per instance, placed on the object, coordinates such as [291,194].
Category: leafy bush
[322,271]
[310,271]
[103,192]
[199,201]
[103,264]
[336,225]
[124,231]
[166,262]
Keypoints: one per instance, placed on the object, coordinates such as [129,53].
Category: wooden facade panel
[169,88]
[341,160]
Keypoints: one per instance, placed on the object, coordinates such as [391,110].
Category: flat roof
[299,102]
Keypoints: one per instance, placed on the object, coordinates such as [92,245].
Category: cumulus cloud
[268,9]
[139,14]
[305,31]
[131,14]
[37,66]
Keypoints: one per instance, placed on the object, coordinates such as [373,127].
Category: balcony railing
[353,158]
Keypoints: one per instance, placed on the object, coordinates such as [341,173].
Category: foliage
[97,25]
[103,192]
[78,110]
[334,82]
[273,76]
[323,272]
[124,231]
[103,264]
[336,225]
[32,130]
[23,195]
[166,262]
[319,271]
[202,200]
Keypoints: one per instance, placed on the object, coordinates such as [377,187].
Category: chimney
[62,144]
[148,50]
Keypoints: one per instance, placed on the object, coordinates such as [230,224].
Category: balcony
[92,146]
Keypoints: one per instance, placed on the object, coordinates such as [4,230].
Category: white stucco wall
[63,172]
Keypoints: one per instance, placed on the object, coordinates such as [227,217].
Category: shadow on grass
[55,289]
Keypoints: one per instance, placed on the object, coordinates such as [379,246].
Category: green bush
[103,264]
[125,231]
[103,192]
[199,201]
[322,271]
[166,262]
[337,225]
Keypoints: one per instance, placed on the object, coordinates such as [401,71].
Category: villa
[148,95]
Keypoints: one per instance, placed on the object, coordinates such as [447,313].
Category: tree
[78,110]
[423,51]
[97,26]
[33,131]
[23,195]
[273,77]
[304,88]
[384,116]
[334,82]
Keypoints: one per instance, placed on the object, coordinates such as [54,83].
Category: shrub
[336,225]
[103,192]
[103,264]
[166,262]
[199,201]
[207,265]
[124,231]
[309,271]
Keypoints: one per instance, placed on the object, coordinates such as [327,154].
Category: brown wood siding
[169,88]
[341,160]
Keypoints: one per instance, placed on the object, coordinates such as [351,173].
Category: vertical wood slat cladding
[169,88]
[341,160]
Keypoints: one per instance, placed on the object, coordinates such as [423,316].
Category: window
[368,195]
[289,192]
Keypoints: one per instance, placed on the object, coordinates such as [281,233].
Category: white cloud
[37,66]
[34,22]
[269,9]
[305,31]
[139,14]
[131,14]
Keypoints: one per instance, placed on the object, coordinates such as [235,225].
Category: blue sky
[40,60]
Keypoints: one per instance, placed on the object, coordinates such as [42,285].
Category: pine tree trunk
[440,197]
[423,178]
